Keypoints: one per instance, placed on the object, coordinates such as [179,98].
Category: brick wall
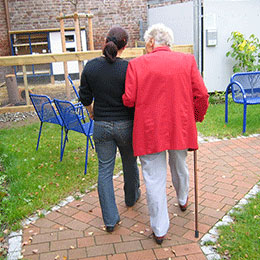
[29,15]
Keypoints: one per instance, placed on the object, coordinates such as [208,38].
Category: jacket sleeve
[129,97]
[200,93]
[85,92]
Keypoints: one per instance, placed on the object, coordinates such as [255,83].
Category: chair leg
[86,159]
[226,107]
[64,144]
[244,118]
[61,143]
[39,136]
[92,145]
[91,142]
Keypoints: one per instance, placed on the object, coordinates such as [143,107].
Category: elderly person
[169,97]
[103,79]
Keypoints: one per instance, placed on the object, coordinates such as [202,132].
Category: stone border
[213,235]
[203,139]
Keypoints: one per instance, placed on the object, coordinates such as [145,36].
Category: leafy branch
[246,52]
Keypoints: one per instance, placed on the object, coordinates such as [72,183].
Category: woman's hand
[91,111]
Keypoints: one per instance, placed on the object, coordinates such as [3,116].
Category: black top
[105,82]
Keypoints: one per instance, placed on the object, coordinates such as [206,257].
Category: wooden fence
[24,60]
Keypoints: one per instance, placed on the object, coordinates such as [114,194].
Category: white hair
[160,33]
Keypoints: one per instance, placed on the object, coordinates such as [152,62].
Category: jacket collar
[161,48]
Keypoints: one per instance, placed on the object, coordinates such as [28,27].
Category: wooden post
[78,39]
[52,80]
[12,89]
[25,81]
[90,32]
[65,64]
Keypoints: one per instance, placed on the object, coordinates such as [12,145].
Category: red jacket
[169,96]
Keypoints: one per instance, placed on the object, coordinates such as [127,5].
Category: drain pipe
[197,44]
[8,22]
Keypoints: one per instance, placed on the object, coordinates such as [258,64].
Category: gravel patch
[16,117]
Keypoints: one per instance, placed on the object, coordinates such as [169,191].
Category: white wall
[179,17]
[226,16]
[56,47]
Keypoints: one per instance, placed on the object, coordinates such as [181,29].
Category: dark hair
[116,39]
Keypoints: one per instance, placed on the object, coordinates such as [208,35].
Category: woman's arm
[85,92]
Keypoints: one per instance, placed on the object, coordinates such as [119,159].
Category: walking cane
[196,194]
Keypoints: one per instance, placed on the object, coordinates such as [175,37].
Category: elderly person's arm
[200,93]
[129,96]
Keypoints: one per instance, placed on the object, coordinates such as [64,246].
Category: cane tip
[196,233]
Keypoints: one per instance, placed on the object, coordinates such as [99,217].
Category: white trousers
[154,168]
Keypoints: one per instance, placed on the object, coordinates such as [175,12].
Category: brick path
[227,170]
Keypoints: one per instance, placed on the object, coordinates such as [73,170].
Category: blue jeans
[108,135]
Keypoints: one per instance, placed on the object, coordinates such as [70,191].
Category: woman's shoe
[110,229]
[184,207]
[138,197]
[158,240]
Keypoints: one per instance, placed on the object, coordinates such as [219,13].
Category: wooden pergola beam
[90,32]
[80,15]
[75,17]
[78,40]
[65,64]
[44,30]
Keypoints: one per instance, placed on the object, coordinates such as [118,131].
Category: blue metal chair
[73,121]
[47,114]
[245,89]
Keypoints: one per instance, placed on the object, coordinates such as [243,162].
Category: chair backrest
[250,81]
[69,115]
[44,109]
[74,88]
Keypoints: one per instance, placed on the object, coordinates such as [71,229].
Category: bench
[245,89]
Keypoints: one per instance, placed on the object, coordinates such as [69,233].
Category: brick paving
[227,170]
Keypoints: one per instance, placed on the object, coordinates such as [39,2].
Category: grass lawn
[214,123]
[241,239]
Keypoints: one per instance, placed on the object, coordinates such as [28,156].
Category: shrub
[246,52]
